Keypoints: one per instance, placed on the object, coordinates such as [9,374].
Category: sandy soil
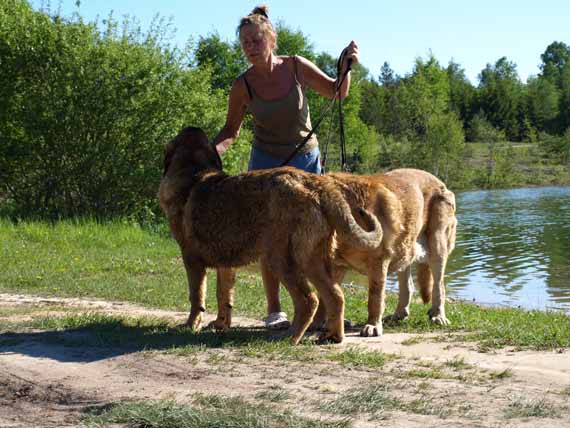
[44,383]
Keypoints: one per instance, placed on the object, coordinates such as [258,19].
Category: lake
[512,249]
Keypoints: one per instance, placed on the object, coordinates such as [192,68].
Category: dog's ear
[218,158]
[207,157]
[168,154]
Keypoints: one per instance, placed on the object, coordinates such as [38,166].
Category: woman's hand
[350,52]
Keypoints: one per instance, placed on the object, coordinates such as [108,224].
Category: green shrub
[84,114]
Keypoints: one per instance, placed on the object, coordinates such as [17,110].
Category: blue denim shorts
[309,161]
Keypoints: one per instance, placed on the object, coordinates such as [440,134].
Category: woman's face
[256,45]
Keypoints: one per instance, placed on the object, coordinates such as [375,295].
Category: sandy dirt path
[44,382]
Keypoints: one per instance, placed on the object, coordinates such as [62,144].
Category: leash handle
[339,64]
[348,65]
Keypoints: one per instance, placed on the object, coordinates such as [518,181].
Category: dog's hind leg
[225,281]
[441,241]
[305,303]
[437,263]
[406,289]
[196,273]
[377,273]
[331,301]
[320,318]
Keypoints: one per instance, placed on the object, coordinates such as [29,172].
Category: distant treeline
[86,108]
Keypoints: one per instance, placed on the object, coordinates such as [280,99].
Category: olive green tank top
[279,125]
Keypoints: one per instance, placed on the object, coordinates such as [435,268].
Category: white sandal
[277,321]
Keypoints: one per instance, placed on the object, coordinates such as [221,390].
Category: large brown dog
[285,217]
[417,213]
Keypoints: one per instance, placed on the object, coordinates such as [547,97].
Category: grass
[205,411]
[357,358]
[521,407]
[530,165]
[428,373]
[273,394]
[373,400]
[414,340]
[376,401]
[458,363]
[454,369]
[122,262]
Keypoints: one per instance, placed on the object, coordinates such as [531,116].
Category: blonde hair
[259,16]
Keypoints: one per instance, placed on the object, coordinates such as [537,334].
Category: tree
[225,60]
[372,109]
[385,100]
[444,142]
[424,93]
[291,42]
[554,58]
[500,169]
[564,118]
[500,96]
[387,76]
[543,103]
[462,94]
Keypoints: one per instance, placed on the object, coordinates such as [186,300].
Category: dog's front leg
[377,273]
[196,273]
[225,281]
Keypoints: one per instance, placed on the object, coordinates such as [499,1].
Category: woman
[273,90]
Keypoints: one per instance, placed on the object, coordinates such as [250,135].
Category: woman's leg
[276,319]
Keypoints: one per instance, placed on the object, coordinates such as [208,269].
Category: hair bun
[261,10]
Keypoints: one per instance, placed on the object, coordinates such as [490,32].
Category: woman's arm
[316,79]
[237,105]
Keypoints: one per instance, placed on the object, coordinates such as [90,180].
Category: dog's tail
[340,216]
[443,206]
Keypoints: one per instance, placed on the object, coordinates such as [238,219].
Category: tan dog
[417,213]
[285,217]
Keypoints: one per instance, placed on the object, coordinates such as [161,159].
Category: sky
[471,34]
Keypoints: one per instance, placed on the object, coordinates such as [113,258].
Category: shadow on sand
[107,339]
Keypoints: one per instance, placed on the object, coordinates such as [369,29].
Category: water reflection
[513,248]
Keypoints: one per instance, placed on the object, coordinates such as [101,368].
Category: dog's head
[190,149]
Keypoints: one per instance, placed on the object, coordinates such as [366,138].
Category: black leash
[326,148]
[343,163]
[336,94]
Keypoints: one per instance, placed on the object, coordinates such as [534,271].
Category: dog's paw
[219,324]
[396,317]
[439,320]
[195,322]
[371,330]
[436,317]
[327,338]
